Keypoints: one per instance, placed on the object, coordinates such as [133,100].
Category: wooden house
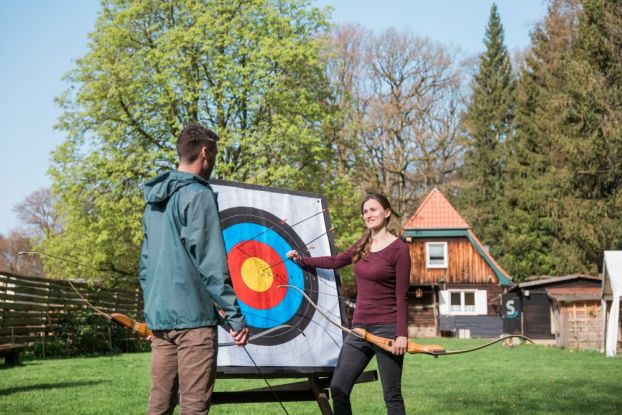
[562,311]
[456,285]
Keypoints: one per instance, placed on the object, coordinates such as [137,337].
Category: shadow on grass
[45,386]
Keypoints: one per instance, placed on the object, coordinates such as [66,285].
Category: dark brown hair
[362,250]
[192,139]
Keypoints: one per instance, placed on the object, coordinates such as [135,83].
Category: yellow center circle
[257,274]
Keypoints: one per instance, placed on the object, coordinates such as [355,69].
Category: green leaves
[247,70]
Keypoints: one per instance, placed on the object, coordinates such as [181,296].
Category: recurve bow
[388,344]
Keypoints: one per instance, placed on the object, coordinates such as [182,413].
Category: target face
[257,243]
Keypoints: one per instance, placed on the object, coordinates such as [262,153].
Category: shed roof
[547,280]
[571,294]
[435,212]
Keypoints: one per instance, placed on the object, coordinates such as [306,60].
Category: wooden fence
[31,308]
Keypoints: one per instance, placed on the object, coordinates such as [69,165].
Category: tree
[413,94]
[37,213]
[537,169]
[487,122]
[592,128]
[11,261]
[248,70]
[566,167]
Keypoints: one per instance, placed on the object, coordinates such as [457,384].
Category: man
[185,278]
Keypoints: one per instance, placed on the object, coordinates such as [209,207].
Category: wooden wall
[423,312]
[464,264]
[578,325]
[30,306]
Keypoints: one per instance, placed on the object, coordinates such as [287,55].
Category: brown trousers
[183,360]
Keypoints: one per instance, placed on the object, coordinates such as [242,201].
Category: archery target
[260,225]
[257,242]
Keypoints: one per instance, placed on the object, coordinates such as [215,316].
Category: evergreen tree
[487,123]
[592,125]
[536,167]
[564,172]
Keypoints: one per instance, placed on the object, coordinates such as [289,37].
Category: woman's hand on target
[294,256]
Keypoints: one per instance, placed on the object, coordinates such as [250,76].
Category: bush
[81,332]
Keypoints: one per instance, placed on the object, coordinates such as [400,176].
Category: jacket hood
[162,187]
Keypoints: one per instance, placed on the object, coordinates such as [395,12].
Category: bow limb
[91,306]
[319,310]
[472,349]
[124,321]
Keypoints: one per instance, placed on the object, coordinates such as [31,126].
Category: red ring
[245,250]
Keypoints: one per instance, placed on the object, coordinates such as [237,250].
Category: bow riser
[139,328]
[389,344]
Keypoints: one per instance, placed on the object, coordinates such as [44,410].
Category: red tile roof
[435,212]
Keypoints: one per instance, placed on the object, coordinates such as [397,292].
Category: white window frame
[480,307]
[427,255]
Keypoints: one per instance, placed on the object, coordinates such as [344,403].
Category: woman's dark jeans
[354,357]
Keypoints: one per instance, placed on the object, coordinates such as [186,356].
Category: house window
[463,302]
[436,254]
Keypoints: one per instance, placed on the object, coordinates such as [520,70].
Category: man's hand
[240,337]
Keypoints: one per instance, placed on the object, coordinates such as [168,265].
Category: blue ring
[286,309]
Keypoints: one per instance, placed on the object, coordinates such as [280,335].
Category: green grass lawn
[524,379]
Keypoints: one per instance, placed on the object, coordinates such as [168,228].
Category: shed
[610,301]
[543,301]
[576,319]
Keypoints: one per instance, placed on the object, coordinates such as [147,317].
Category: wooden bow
[121,319]
[129,323]
[389,344]
[141,329]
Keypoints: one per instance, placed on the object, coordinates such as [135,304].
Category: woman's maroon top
[382,282]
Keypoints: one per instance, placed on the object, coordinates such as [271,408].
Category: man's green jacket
[183,266]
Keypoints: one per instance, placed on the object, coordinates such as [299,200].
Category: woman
[382,272]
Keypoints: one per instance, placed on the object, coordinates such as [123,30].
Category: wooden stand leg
[320,396]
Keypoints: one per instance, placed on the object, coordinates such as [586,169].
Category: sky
[40,41]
